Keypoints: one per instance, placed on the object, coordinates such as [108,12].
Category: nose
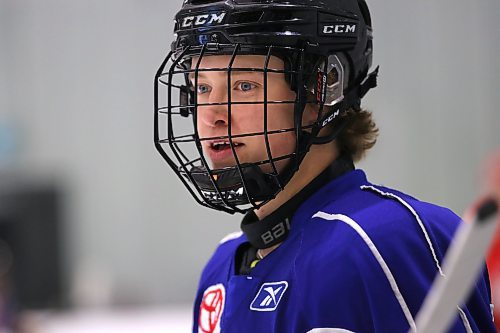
[215,115]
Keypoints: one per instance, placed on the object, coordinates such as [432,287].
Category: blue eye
[202,89]
[246,86]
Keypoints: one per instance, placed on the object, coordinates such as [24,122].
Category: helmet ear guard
[351,99]
[334,80]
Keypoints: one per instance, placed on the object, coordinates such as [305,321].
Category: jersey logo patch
[211,307]
[269,296]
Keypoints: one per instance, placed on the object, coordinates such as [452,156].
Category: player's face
[212,87]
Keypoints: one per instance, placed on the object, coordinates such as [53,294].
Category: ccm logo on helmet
[339,28]
[330,118]
[203,19]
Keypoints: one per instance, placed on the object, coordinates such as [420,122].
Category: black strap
[370,82]
[354,96]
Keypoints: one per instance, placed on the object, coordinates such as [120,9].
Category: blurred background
[98,235]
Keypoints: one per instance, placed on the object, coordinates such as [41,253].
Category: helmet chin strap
[339,127]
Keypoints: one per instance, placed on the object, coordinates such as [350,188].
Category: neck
[316,160]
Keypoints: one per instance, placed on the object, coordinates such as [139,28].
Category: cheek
[202,129]
[253,119]
[281,145]
[279,117]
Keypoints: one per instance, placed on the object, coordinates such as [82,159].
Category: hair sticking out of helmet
[324,48]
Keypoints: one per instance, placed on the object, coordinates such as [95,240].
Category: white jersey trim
[231,236]
[463,316]
[417,217]
[329,330]
[393,196]
[378,257]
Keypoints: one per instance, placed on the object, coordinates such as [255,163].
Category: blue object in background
[8,142]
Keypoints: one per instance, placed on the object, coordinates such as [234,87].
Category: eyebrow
[202,73]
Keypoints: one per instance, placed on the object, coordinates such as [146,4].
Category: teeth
[215,144]
[226,143]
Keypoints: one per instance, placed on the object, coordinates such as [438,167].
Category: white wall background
[76,88]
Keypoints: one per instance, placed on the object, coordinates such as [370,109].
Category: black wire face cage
[244,184]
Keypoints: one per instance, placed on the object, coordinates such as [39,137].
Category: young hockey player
[258,111]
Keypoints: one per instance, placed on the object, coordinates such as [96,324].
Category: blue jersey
[358,258]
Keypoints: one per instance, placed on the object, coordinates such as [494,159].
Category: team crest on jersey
[211,307]
[269,296]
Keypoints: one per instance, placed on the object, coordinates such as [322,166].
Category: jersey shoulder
[223,255]
[378,224]
[381,213]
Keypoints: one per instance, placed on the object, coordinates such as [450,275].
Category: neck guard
[274,228]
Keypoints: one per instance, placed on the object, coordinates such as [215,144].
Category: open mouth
[223,145]
[220,153]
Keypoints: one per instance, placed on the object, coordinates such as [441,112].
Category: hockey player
[258,111]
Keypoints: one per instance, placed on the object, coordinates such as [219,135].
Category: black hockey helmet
[326,46]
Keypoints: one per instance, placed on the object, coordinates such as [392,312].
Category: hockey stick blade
[462,264]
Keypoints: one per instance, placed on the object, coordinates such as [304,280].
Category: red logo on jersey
[211,308]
